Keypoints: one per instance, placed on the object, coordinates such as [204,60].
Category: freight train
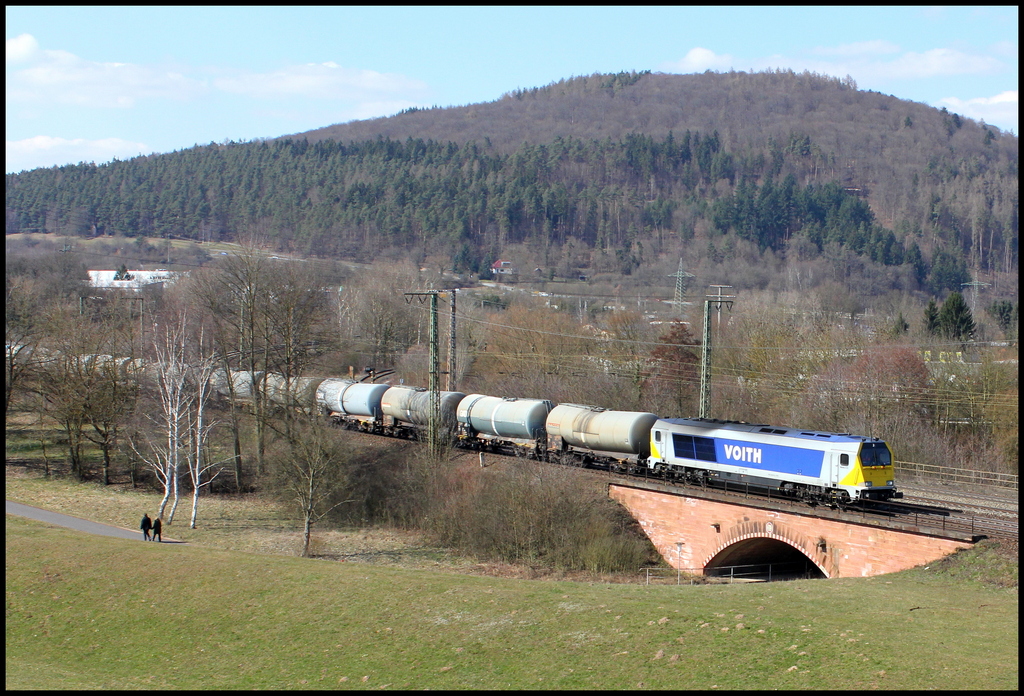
[834,468]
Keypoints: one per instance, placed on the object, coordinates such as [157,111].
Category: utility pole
[718,289]
[705,350]
[434,418]
[451,349]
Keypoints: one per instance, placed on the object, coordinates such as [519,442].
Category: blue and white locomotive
[832,467]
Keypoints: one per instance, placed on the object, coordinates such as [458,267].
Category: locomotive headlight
[888,483]
[867,484]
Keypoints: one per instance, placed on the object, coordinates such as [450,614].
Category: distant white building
[500,267]
[136,280]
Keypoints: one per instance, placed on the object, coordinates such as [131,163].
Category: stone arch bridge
[694,529]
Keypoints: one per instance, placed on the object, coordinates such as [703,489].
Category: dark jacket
[156,525]
[147,524]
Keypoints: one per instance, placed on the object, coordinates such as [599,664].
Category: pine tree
[931,318]
[955,319]
[1005,313]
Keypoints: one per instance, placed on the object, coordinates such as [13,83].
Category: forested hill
[628,166]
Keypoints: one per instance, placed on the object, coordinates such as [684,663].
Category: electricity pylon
[681,277]
[705,349]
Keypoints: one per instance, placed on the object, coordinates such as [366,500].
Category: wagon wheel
[572,459]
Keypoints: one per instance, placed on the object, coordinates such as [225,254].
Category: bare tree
[23,334]
[87,380]
[234,297]
[200,373]
[312,473]
[628,352]
[374,311]
[112,402]
[299,329]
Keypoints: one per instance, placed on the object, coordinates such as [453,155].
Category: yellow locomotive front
[872,477]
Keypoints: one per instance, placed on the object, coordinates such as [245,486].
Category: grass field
[97,612]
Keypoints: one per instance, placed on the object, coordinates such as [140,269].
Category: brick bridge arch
[771,529]
[690,532]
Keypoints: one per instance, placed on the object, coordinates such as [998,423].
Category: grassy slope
[96,612]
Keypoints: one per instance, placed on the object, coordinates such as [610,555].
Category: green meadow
[88,612]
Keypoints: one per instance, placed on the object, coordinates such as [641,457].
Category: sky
[97,83]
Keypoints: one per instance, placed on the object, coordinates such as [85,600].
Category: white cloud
[1000,109]
[21,48]
[865,62]
[698,60]
[58,77]
[47,151]
[878,64]
[871,69]
[48,77]
[1005,49]
[319,81]
[938,62]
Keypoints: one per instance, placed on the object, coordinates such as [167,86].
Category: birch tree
[199,429]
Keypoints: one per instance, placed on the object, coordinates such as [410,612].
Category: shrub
[538,513]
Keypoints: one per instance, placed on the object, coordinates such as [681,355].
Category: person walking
[157,525]
[146,525]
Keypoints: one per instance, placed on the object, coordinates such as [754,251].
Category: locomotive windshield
[875,454]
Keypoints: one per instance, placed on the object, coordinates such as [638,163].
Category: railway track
[978,521]
[996,503]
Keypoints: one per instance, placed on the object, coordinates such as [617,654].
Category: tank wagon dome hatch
[591,427]
[505,416]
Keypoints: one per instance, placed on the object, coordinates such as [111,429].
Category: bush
[540,514]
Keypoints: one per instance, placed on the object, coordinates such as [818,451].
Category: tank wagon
[410,406]
[831,467]
[503,424]
[241,383]
[586,434]
[299,392]
[357,404]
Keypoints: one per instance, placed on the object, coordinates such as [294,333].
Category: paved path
[76,522]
